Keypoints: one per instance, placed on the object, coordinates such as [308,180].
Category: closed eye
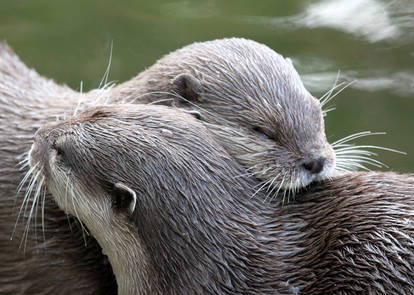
[260,132]
[60,153]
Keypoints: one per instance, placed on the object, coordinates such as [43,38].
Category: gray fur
[49,256]
[196,228]
[241,89]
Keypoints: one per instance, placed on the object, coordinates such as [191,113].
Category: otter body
[49,254]
[173,212]
[28,101]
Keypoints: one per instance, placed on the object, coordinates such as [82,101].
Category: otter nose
[314,166]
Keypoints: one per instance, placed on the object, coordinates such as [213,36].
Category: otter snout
[314,166]
[319,164]
[39,152]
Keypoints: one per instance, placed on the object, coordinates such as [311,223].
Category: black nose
[314,166]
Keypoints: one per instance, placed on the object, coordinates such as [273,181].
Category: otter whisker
[341,169]
[25,203]
[353,160]
[353,166]
[24,163]
[355,136]
[20,186]
[28,193]
[362,159]
[351,147]
[75,111]
[260,184]
[43,212]
[271,184]
[292,185]
[263,184]
[249,174]
[366,160]
[26,176]
[257,166]
[66,194]
[279,188]
[32,209]
[326,111]
[334,86]
[271,187]
[324,99]
[160,101]
[352,157]
[36,199]
[284,198]
[24,180]
[108,68]
[328,99]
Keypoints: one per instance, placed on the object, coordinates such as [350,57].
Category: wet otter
[173,212]
[252,99]
[32,100]
[48,253]
[28,100]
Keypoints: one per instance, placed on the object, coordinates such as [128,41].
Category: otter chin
[254,102]
[172,210]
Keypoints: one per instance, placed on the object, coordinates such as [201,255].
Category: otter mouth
[295,183]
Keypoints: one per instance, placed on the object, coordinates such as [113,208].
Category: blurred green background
[370,42]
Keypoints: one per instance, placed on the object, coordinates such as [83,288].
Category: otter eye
[59,151]
[260,132]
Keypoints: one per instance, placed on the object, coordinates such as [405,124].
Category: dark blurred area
[367,42]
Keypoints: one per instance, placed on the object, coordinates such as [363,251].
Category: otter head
[255,103]
[156,192]
[80,171]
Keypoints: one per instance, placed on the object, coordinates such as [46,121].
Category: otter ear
[187,86]
[126,198]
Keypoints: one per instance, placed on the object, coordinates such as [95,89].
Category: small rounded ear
[126,198]
[187,86]
[195,114]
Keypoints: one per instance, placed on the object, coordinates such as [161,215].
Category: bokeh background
[369,42]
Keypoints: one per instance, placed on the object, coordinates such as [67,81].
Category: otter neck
[129,259]
[209,242]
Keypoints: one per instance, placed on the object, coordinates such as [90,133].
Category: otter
[173,212]
[45,252]
[28,100]
[252,99]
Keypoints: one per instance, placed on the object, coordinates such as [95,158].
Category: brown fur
[196,227]
[53,259]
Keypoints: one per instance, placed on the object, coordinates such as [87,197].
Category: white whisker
[104,79]
[355,136]
[280,187]
[263,184]
[43,213]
